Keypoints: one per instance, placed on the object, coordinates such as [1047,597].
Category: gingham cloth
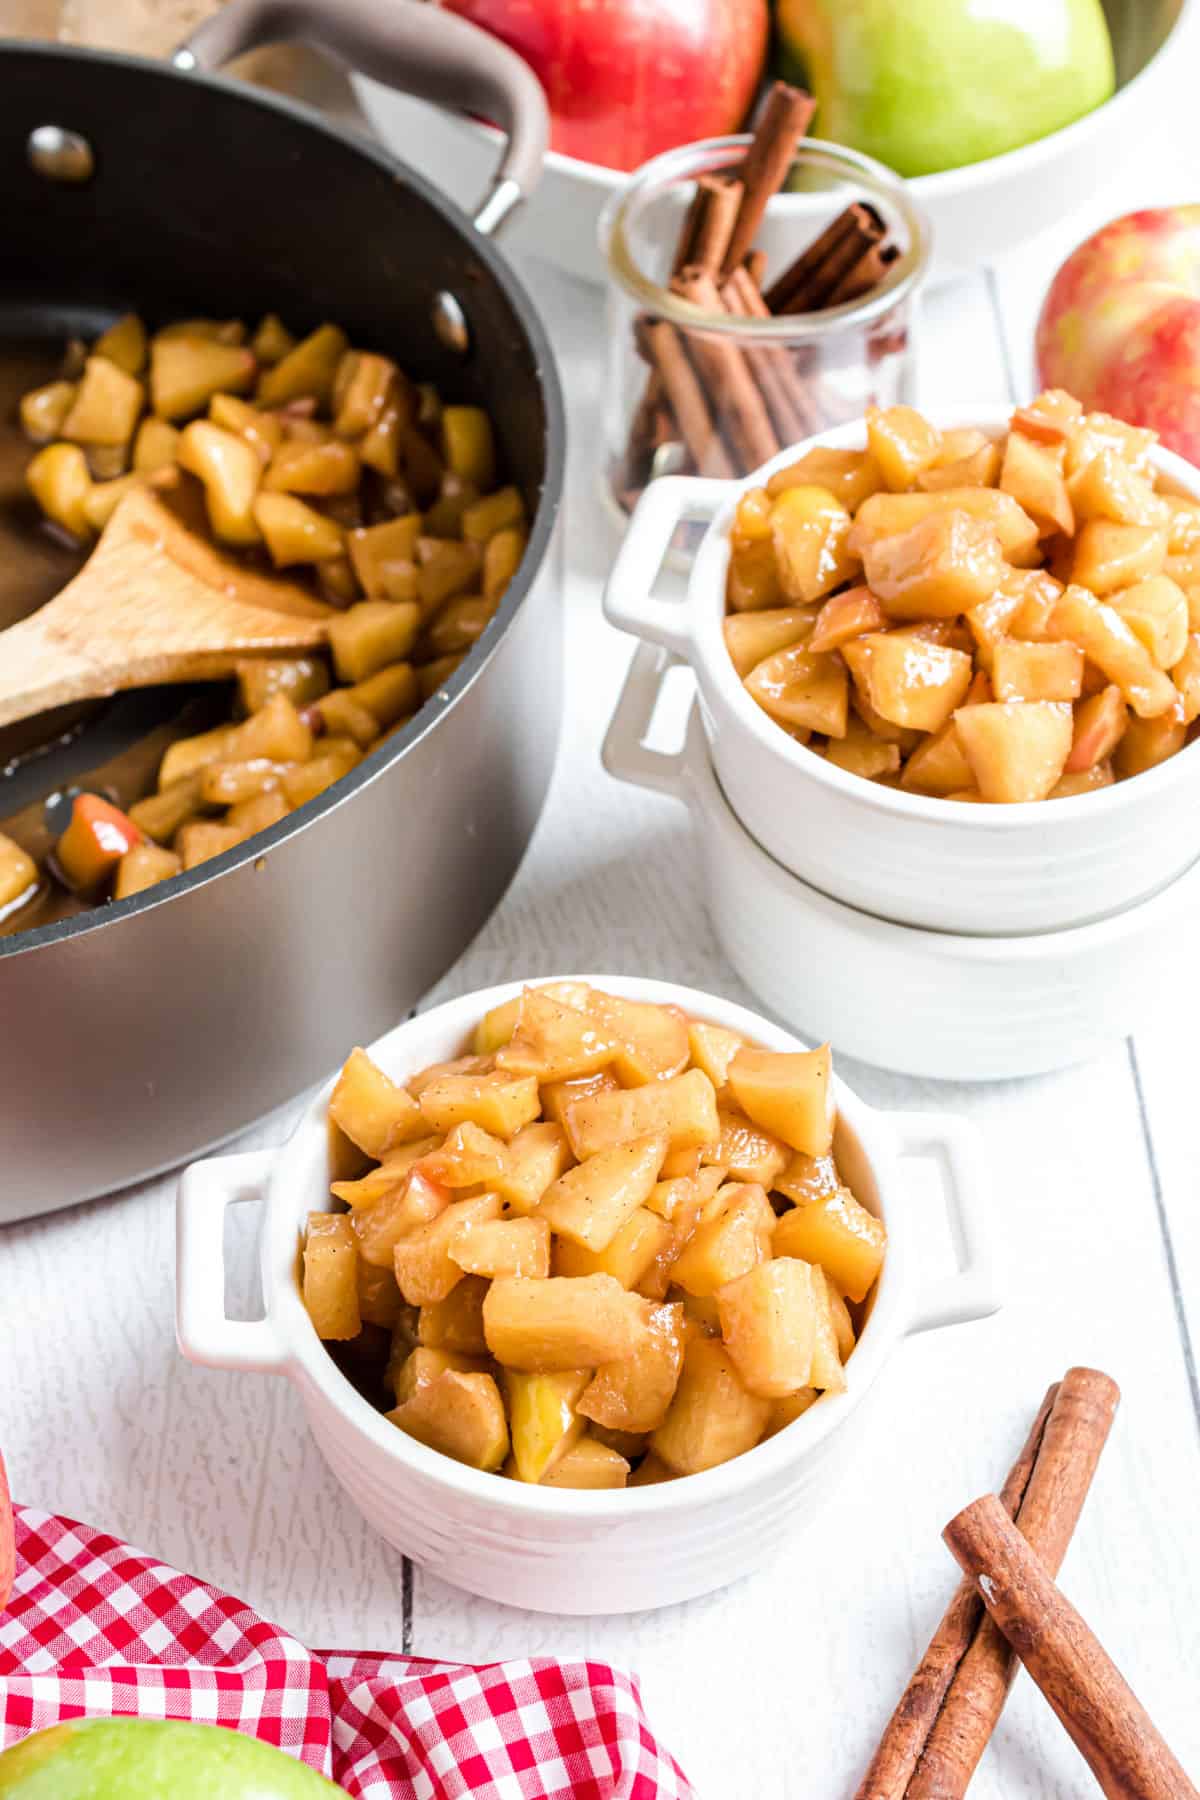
[95,1628]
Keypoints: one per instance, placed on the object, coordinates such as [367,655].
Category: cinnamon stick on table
[1076,1432]
[909,1726]
[941,1727]
[1108,1724]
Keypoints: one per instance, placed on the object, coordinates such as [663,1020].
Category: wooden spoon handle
[40,669]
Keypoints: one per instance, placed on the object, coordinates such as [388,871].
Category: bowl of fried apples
[948,666]
[585,1284]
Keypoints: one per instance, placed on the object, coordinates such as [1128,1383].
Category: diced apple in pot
[591,1202]
[542,1420]
[629,1255]
[885,515]
[685,1107]
[735,1238]
[1016,750]
[1106,487]
[938,766]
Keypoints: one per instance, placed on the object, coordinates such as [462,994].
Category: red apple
[626,79]
[8,1553]
[1120,326]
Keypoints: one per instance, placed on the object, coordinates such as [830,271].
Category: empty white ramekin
[556,1550]
[937,1004]
[904,857]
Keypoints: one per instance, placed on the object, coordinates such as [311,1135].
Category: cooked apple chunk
[425,1269]
[908,680]
[461,1415]
[554,1042]
[373,1112]
[768,1323]
[543,1422]
[330,1278]
[728,1241]
[901,443]
[496,1102]
[627,1256]
[841,1235]
[1110,642]
[456,1323]
[788,1093]
[504,1247]
[1100,723]
[1032,474]
[591,1202]
[684,1106]
[633,1395]
[886,515]
[1037,671]
[561,1323]
[712,1416]
[799,689]
[588,1464]
[712,1048]
[1016,750]
[941,566]
[409,1205]
[652,1041]
[1156,610]
[751,637]
[745,1151]
[809,529]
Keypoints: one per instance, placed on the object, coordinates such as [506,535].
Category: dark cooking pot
[136,1035]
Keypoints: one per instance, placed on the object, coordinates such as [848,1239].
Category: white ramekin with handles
[907,858]
[556,1550]
[934,1004]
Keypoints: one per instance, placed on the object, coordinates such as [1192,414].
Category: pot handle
[416,47]
[973,1292]
[629,600]
[624,752]
[203,1333]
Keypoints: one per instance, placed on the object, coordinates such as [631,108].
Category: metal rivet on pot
[450,323]
[59,154]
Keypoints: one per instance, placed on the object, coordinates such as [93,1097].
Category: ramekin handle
[204,1334]
[624,753]
[973,1292]
[629,600]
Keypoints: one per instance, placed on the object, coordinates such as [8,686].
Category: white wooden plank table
[778,1687]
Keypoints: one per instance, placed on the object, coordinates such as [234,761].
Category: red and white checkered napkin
[95,1628]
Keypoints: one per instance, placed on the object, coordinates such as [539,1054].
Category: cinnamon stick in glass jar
[1106,1721]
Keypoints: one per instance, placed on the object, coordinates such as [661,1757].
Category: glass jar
[693,389]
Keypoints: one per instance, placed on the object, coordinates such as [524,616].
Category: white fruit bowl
[926,1003]
[907,858]
[979,212]
[556,1550]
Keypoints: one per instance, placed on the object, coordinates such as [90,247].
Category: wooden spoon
[153,603]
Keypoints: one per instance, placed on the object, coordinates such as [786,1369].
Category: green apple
[941,83]
[150,1759]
